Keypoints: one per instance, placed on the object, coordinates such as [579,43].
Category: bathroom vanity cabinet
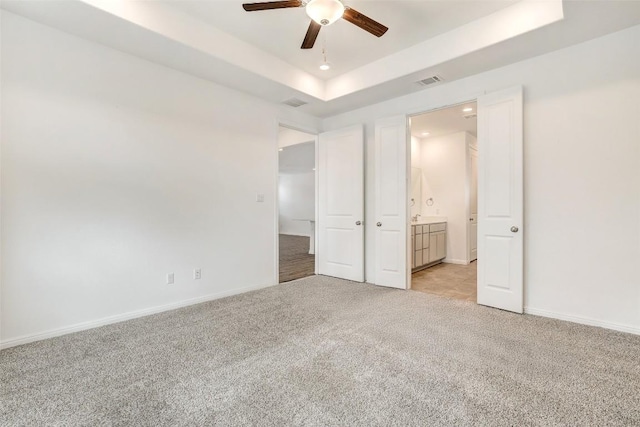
[429,244]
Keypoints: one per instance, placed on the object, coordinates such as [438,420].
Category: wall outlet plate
[197,274]
[170,279]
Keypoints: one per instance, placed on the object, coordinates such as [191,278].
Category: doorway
[500,214]
[444,202]
[296,204]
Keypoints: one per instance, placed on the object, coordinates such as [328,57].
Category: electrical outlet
[197,274]
[260,198]
[170,279]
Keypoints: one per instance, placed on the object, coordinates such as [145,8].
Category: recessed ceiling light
[313,169]
[425,134]
[280,149]
[467,110]
[325,66]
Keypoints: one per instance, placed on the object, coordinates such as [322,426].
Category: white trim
[296,234]
[455,261]
[276,208]
[582,320]
[316,212]
[315,133]
[25,339]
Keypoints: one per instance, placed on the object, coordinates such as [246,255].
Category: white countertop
[429,220]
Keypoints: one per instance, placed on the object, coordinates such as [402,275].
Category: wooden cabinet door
[413,251]
[441,245]
[419,258]
[433,246]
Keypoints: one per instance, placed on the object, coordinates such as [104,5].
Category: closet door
[500,200]
[392,228]
[341,204]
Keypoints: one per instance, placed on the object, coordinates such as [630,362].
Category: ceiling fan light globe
[325,12]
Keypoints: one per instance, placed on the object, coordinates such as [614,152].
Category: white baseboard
[455,261]
[583,320]
[295,234]
[122,317]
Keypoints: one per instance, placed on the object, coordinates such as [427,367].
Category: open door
[500,200]
[341,204]
[472,226]
[392,217]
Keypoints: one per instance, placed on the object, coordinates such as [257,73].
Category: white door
[341,204]
[472,230]
[391,201]
[500,200]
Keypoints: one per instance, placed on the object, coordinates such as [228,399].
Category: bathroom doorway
[296,204]
[444,200]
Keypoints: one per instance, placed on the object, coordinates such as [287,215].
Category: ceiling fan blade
[312,34]
[252,7]
[364,22]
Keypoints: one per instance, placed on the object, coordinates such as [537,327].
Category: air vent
[294,102]
[429,81]
[470,116]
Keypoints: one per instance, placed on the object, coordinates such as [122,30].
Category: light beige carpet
[327,352]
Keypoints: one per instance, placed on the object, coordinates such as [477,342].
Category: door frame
[293,126]
[418,113]
[469,154]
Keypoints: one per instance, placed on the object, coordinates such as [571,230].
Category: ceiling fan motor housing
[325,12]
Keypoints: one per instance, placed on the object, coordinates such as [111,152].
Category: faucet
[415,218]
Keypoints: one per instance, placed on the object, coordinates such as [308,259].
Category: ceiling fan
[322,13]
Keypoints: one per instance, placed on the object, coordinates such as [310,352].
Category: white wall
[296,194]
[582,174]
[444,174]
[415,152]
[117,171]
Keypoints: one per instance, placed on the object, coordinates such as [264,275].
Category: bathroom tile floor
[448,280]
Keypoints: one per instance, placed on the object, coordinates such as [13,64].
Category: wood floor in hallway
[295,261]
[448,280]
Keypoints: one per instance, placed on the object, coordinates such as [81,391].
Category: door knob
[379,224]
[514,229]
[358,222]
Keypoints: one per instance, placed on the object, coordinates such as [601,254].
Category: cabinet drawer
[425,241]
[441,226]
[417,242]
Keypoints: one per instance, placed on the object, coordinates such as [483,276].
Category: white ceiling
[258,52]
[445,121]
[280,32]
[298,158]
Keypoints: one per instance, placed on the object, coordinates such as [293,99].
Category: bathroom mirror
[416,191]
